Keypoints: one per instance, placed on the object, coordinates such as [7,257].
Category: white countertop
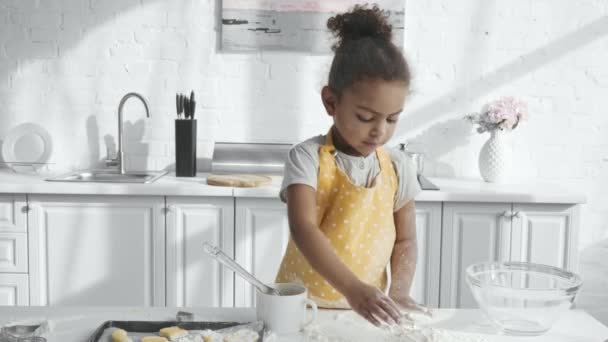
[167,185]
[457,190]
[78,323]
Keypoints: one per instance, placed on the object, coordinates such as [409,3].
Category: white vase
[495,158]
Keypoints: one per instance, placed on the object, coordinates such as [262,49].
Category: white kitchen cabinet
[147,250]
[425,285]
[472,232]
[475,232]
[261,236]
[13,213]
[545,234]
[262,233]
[13,252]
[14,289]
[96,250]
[13,233]
[193,277]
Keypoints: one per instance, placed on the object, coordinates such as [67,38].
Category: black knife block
[185,148]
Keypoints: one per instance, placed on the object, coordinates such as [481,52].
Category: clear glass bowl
[522,298]
[20,333]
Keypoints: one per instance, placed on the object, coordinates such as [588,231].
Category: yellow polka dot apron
[358,221]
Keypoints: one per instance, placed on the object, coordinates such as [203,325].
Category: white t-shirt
[302,167]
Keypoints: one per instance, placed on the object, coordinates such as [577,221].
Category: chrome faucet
[120,154]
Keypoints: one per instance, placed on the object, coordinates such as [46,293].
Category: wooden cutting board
[239,180]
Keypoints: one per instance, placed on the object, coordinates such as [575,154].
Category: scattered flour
[313,333]
[193,338]
[412,329]
[269,336]
[349,327]
[241,335]
[409,331]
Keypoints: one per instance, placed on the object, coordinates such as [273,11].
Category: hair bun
[359,23]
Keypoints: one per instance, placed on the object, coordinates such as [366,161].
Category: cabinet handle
[26,209]
[510,214]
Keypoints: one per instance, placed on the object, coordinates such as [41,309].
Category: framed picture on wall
[292,25]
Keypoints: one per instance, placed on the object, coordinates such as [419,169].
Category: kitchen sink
[109,176]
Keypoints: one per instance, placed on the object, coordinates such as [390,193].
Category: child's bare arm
[301,209]
[365,299]
[403,259]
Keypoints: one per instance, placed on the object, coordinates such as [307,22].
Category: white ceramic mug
[285,313]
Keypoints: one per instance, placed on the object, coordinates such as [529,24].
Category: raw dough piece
[212,336]
[172,333]
[154,339]
[120,335]
[242,181]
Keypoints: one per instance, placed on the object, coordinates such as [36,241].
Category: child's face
[366,115]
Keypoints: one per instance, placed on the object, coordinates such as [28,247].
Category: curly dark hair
[364,49]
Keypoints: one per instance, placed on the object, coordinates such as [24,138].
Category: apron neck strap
[329,147]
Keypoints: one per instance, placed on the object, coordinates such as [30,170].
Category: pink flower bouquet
[503,114]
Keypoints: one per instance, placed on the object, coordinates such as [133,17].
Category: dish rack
[27,167]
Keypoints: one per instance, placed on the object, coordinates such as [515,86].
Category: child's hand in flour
[369,302]
[407,305]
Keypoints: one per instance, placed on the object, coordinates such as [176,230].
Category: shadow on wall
[134,143]
[76,21]
[438,140]
[276,80]
[461,97]
[73,19]
[93,143]
[77,84]
[592,268]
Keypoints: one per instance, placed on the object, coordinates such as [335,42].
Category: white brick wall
[65,64]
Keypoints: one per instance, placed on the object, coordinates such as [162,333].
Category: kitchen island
[78,323]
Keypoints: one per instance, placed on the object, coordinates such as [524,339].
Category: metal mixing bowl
[522,298]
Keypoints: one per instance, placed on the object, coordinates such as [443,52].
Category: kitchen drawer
[13,213]
[14,289]
[13,252]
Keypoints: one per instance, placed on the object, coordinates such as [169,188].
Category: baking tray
[153,327]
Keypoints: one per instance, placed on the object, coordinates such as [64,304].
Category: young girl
[349,200]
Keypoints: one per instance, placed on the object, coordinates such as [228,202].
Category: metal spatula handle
[220,256]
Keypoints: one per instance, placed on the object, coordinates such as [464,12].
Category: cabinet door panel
[543,233]
[14,290]
[193,277]
[262,233]
[13,252]
[97,250]
[13,216]
[425,285]
[472,232]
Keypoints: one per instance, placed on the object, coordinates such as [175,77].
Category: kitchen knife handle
[186,107]
[192,104]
